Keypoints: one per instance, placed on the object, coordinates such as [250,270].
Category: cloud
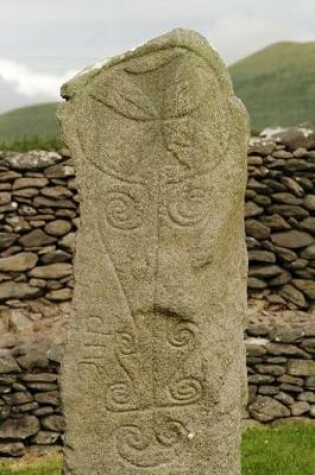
[238,36]
[31,84]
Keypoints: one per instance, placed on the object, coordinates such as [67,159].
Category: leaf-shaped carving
[189,80]
[118,91]
[152,61]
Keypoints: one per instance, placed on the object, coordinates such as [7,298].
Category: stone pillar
[151,378]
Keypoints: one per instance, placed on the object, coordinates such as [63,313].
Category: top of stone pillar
[177,79]
[182,40]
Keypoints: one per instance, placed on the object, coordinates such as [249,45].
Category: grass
[46,463]
[277,84]
[287,450]
[25,144]
[33,121]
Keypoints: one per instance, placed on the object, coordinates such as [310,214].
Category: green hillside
[29,122]
[277,84]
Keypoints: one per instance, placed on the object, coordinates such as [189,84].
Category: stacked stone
[30,410]
[39,214]
[281,371]
[281,382]
[38,219]
[280,217]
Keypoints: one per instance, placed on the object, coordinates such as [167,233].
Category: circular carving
[119,393]
[126,343]
[186,391]
[171,433]
[191,209]
[183,335]
[134,437]
[123,210]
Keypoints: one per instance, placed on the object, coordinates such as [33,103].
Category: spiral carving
[119,394]
[184,335]
[171,432]
[126,343]
[134,437]
[123,211]
[191,210]
[149,447]
[186,390]
[138,447]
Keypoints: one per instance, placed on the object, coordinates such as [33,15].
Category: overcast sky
[43,42]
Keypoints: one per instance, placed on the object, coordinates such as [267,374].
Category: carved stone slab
[152,375]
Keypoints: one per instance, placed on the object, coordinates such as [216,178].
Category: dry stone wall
[38,219]
[280,365]
[281,381]
[280,216]
[39,214]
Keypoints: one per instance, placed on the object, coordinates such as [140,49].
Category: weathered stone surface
[292,137]
[262,256]
[36,238]
[293,186]
[289,211]
[5,198]
[43,202]
[19,429]
[309,252]
[265,409]
[8,363]
[286,198]
[254,283]
[292,239]
[161,232]
[18,290]
[301,367]
[45,437]
[309,224]
[264,271]
[68,242]
[36,160]
[52,271]
[56,256]
[59,227]
[275,222]
[256,229]
[39,378]
[57,192]
[53,423]
[285,398]
[307,286]
[281,279]
[299,408]
[286,255]
[7,239]
[59,171]
[309,202]
[12,449]
[293,295]
[19,262]
[29,183]
[59,295]
[251,209]
[261,146]
[52,398]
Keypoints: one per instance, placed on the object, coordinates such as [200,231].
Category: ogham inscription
[151,379]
